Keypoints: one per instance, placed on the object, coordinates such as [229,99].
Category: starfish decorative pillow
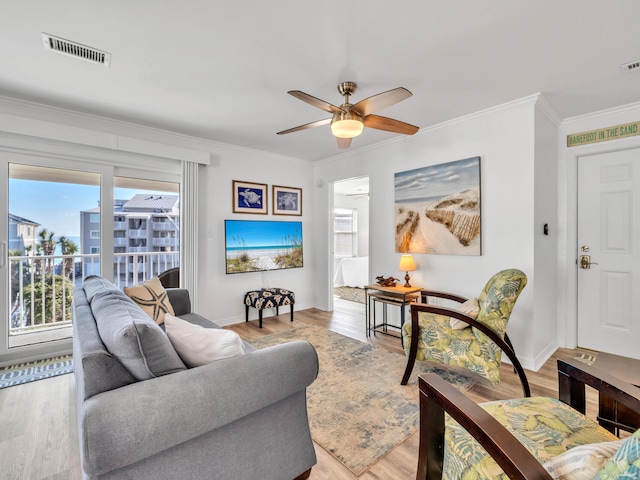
[152,298]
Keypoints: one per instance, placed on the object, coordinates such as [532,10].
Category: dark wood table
[612,416]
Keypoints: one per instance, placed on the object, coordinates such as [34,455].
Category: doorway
[350,246]
[608,257]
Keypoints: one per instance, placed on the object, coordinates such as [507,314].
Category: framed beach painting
[437,209]
[286,200]
[249,197]
[261,245]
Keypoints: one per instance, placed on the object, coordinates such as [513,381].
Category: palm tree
[69,247]
[48,246]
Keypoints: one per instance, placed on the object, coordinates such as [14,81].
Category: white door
[608,252]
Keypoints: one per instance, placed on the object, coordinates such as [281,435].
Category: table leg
[367,324]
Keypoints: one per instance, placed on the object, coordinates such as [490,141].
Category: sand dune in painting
[448,225]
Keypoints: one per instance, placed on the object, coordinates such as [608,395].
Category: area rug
[32,371]
[353,294]
[358,411]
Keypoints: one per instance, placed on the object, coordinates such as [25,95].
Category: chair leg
[411,359]
[246,313]
[260,317]
[277,310]
[292,312]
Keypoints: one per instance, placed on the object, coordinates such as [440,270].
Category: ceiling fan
[348,120]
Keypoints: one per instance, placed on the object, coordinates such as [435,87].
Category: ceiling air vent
[629,67]
[76,50]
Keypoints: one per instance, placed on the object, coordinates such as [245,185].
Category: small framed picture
[249,197]
[287,200]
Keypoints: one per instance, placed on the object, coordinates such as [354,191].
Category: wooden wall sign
[604,134]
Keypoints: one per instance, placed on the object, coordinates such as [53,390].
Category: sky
[56,206]
[437,180]
[256,233]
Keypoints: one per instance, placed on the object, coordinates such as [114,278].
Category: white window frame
[353,232]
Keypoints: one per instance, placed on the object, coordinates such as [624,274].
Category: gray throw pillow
[133,337]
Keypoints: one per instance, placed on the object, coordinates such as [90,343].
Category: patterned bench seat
[268,298]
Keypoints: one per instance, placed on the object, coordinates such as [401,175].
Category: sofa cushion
[198,345]
[96,370]
[94,285]
[133,337]
[152,298]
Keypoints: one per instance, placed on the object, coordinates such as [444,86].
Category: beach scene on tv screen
[257,245]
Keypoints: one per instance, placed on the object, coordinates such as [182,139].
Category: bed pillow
[198,345]
[469,308]
[152,298]
[582,462]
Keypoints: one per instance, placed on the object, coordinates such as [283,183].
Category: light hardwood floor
[38,428]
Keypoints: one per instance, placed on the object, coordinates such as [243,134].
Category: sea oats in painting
[437,209]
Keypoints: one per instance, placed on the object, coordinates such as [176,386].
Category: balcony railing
[41,287]
[165,226]
[140,233]
[164,241]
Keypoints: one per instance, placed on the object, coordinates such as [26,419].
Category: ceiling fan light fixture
[346,125]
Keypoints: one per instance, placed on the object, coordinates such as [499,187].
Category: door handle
[585,262]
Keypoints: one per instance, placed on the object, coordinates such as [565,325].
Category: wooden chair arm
[437,396]
[503,344]
[425,294]
[574,375]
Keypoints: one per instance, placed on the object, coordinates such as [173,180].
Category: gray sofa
[143,415]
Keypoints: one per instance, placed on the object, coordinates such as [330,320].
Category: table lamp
[406,265]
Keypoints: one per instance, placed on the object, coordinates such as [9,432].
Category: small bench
[268,298]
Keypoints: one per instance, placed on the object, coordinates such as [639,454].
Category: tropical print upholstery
[625,463]
[545,426]
[469,348]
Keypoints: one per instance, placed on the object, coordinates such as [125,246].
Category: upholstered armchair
[528,438]
[472,336]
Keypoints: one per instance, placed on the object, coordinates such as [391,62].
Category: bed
[352,272]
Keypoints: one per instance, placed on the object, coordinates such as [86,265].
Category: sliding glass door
[146,229]
[45,255]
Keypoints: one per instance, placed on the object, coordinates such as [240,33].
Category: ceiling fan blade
[389,125]
[344,143]
[317,123]
[316,102]
[382,100]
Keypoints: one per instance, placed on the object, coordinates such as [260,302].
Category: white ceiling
[220,70]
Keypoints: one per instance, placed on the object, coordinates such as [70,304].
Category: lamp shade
[346,125]
[406,264]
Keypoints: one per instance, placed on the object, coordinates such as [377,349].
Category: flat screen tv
[260,245]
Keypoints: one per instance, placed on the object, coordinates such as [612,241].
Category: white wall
[503,137]
[544,341]
[220,296]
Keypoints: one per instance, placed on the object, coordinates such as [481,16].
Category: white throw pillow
[198,345]
[583,462]
[469,308]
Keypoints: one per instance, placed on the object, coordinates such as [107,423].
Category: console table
[398,296]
